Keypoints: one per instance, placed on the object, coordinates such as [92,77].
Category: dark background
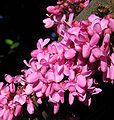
[22,22]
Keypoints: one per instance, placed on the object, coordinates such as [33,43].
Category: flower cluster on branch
[68,65]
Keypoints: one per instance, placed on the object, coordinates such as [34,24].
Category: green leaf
[15,45]
[9,42]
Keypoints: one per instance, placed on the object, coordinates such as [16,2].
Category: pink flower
[40,47]
[18,109]
[48,23]
[28,89]
[70,53]
[94,39]
[11,116]
[97,24]
[30,107]
[54,10]
[34,77]
[56,107]
[86,50]
[20,99]
[111,24]
[92,90]
[86,3]
[6,114]
[81,81]
[10,80]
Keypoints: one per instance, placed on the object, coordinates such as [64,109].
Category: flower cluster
[68,65]
[13,96]
[62,10]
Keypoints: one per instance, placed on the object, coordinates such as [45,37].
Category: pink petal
[80,90]
[34,53]
[16,98]
[6,114]
[72,88]
[60,49]
[50,8]
[30,107]
[39,94]
[12,88]
[28,89]
[70,53]
[71,98]
[39,44]
[1,85]
[111,24]
[103,63]
[48,22]
[106,38]
[8,78]
[38,86]
[86,3]
[92,17]
[33,77]
[108,73]
[97,28]
[39,101]
[90,30]
[60,69]
[111,72]
[81,81]
[5,89]
[97,52]
[50,76]
[95,39]
[82,98]
[48,90]
[71,74]
[74,30]
[10,116]
[66,85]
[53,59]
[112,58]
[96,91]
[78,47]
[92,59]
[46,41]
[66,70]
[53,10]
[56,108]
[3,99]
[56,97]
[44,88]
[81,38]
[62,96]
[70,20]
[57,87]
[58,77]
[86,50]
[44,56]
[104,23]
[18,110]
[22,99]
[89,82]
[2,112]
[60,28]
